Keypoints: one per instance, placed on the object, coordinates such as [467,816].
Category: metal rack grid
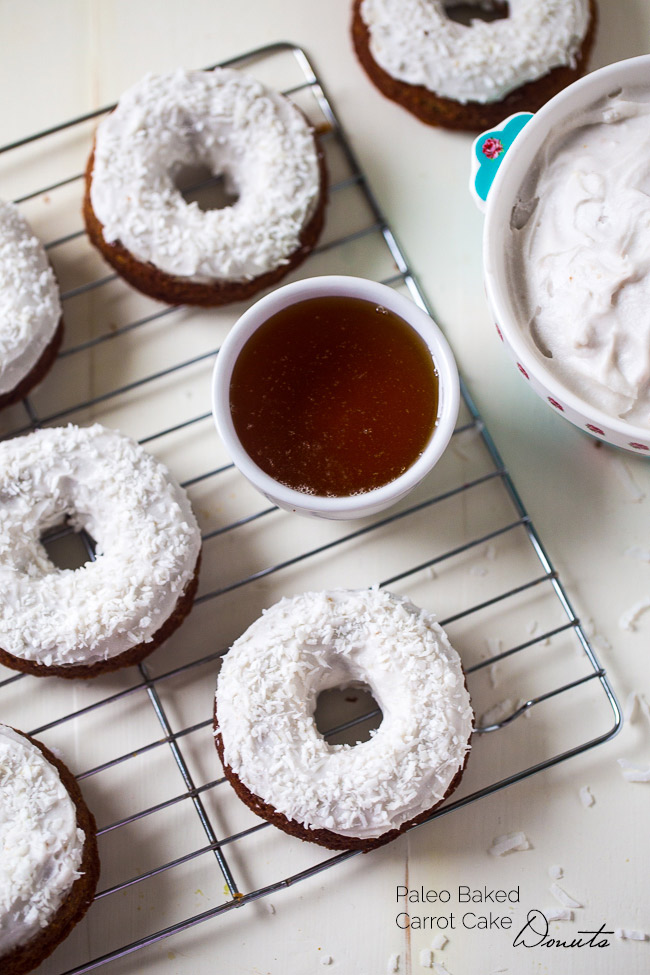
[463,540]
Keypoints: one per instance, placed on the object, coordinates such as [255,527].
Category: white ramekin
[358,505]
[511,151]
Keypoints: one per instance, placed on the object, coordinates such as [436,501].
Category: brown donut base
[126,659]
[37,372]
[322,837]
[181,291]
[471,116]
[26,957]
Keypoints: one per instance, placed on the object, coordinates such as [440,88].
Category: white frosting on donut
[147,545]
[256,138]
[41,846]
[30,308]
[266,697]
[416,42]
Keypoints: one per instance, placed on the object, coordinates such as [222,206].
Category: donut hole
[198,184]
[465,11]
[347,715]
[67,548]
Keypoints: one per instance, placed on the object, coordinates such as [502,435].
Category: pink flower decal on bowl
[492,148]
[639,446]
[489,149]
[522,370]
[554,402]
[594,429]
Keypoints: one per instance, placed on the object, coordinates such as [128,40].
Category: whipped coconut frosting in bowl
[567,250]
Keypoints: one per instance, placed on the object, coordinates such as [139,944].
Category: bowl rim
[366,289]
[501,196]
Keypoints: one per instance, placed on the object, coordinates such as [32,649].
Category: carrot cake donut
[30,309]
[340,796]
[114,610]
[48,852]
[256,139]
[472,76]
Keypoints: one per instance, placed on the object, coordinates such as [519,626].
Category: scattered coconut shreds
[532,627]
[270,908]
[494,645]
[326,960]
[439,941]
[644,706]
[426,958]
[496,714]
[633,773]
[440,969]
[629,619]
[558,914]
[392,965]
[629,934]
[565,899]
[586,798]
[633,491]
[638,552]
[555,872]
[630,707]
[509,843]
[601,642]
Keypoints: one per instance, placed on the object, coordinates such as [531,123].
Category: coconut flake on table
[326,960]
[629,618]
[497,713]
[638,552]
[555,872]
[565,899]
[635,702]
[632,772]
[509,843]
[440,969]
[629,934]
[586,797]
[392,965]
[634,492]
[426,958]
[439,941]
[558,914]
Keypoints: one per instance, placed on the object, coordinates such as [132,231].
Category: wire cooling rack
[177,847]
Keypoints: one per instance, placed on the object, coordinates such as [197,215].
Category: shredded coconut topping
[416,42]
[41,846]
[256,138]
[266,698]
[146,535]
[30,308]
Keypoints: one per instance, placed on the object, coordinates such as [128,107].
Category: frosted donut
[255,138]
[110,612]
[48,852]
[342,796]
[472,76]
[30,308]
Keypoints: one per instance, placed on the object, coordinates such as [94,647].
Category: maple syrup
[334,396]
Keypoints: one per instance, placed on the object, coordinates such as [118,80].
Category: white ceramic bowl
[358,505]
[511,150]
